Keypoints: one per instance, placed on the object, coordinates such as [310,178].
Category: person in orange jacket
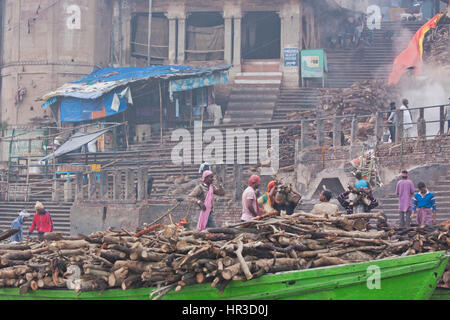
[42,221]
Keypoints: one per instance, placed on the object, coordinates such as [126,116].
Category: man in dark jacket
[17,225]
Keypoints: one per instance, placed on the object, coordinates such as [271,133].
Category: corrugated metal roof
[104,80]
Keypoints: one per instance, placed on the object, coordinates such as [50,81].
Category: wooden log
[327,261]
[8,233]
[131,281]
[53,236]
[71,252]
[151,256]
[147,230]
[33,285]
[116,278]
[8,247]
[121,248]
[17,255]
[13,272]
[69,244]
[241,259]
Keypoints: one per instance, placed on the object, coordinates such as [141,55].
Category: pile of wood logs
[171,257]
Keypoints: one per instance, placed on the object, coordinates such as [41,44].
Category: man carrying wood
[325,207]
[405,190]
[17,225]
[250,207]
[42,221]
[203,196]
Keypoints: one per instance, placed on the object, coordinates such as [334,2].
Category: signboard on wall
[291,57]
[313,63]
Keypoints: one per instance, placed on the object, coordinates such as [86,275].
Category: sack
[293,197]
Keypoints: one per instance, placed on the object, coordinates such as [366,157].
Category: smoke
[431,88]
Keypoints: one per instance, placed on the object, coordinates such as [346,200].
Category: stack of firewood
[171,257]
[437,47]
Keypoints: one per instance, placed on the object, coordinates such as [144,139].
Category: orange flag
[412,56]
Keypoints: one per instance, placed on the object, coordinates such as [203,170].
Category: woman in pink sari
[203,196]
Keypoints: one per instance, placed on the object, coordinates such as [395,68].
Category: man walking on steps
[405,190]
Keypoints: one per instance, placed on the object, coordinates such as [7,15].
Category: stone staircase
[350,65]
[255,92]
[441,190]
[295,99]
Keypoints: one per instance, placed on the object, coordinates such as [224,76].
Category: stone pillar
[304,135]
[399,128]
[172,39]
[126,34]
[56,192]
[181,39]
[237,41]
[228,40]
[320,133]
[421,125]
[103,185]
[441,120]
[79,194]
[237,181]
[354,129]
[68,194]
[117,184]
[142,183]
[221,171]
[378,126]
[130,187]
[337,132]
[290,18]
[92,185]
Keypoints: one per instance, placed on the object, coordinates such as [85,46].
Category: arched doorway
[261,35]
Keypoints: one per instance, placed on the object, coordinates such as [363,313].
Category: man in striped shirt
[425,204]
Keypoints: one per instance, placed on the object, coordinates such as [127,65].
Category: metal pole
[160,113]
[150,5]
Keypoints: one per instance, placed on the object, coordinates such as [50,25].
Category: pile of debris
[174,257]
[436,46]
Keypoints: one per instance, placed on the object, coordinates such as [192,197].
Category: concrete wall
[46,48]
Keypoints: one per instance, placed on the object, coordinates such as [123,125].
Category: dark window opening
[205,36]
[261,35]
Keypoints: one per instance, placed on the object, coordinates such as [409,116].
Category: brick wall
[415,153]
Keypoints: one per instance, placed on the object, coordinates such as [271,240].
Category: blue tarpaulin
[197,82]
[97,95]
[77,110]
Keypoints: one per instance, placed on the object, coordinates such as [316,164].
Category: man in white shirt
[407,119]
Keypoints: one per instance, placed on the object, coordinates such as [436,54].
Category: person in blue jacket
[361,183]
[17,224]
[425,205]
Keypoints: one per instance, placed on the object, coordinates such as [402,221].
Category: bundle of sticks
[171,257]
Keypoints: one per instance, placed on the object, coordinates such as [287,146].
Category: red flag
[412,56]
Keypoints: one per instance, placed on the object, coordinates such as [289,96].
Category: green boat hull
[404,278]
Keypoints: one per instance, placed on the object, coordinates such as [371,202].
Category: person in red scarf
[42,221]
[250,208]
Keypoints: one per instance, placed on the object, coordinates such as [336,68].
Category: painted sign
[291,57]
[313,63]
